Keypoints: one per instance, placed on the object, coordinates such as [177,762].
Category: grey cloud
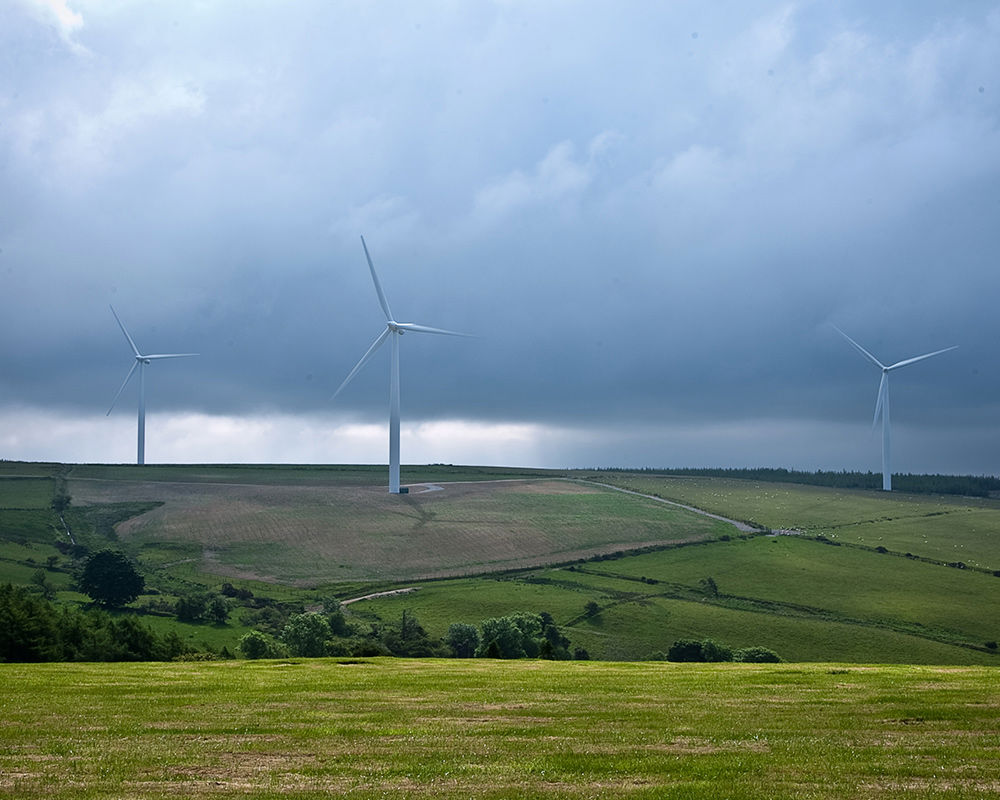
[645,225]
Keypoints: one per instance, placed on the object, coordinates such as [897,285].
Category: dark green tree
[335,617]
[217,610]
[191,607]
[109,578]
[463,639]
[306,634]
[258,645]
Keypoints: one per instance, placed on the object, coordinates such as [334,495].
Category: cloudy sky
[651,215]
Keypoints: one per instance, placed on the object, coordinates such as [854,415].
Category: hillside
[856,576]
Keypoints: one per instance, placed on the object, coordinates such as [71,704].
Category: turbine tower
[393,330]
[140,363]
[882,401]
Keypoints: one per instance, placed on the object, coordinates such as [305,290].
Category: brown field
[309,535]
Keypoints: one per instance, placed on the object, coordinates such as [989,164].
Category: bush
[756,655]
[707,650]
[715,652]
[259,645]
[685,650]
[191,607]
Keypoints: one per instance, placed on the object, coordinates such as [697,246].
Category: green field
[317,534]
[868,577]
[948,528]
[399,728]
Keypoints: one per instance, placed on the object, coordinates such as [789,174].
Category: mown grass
[380,728]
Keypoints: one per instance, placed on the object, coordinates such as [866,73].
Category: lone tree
[109,578]
[306,634]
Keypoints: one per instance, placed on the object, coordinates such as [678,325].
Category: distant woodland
[965,485]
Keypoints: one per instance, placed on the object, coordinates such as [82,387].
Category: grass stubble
[410,728]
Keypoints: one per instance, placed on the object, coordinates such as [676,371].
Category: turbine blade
[899,364]
[378,286]
[121,325]
[412,326]
[122,387]
[879,401]
[169,355]
[364,360]
[860,349]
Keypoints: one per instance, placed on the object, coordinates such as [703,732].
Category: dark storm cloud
[650,216]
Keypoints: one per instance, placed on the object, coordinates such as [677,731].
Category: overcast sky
[651,215]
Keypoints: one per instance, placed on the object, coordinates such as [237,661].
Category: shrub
[191,607]
[756,655]
[685,650]
[258,645]
[715,652]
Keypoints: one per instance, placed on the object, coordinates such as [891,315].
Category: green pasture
[638,619]
[399,728]
[845,581]
[942,527]
[25,492]
[496,541]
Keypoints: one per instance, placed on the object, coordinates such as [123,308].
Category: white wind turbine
[140,363]
[882,401]
[393,330]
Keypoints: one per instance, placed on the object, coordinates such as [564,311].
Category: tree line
[328,633]
[965,485]
[32,628]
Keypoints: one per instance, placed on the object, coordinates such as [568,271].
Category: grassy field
[398,728]
[943,527]
[494,541]
[313,535]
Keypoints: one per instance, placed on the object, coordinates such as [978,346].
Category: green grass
[23,492]
[296,533]
[945,528]
[378,728]
[315,535]
[638,619]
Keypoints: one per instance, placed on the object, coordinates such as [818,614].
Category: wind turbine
[393,330]
[882,401]
[140,363]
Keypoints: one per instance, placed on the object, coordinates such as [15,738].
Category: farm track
[743,527]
